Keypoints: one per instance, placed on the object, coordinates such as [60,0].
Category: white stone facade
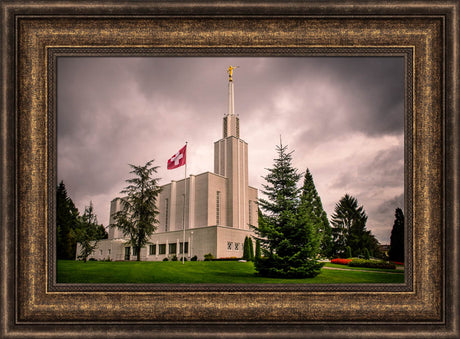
[219,208]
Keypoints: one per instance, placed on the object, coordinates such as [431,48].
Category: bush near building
[208,257]
[371,264]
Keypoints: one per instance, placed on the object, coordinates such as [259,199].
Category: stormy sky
[342,116]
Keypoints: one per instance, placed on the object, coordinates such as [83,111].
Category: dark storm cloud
[384,170]
[383,217]
[343,116]
[389,207]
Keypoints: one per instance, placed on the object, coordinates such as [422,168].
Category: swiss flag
[178,159]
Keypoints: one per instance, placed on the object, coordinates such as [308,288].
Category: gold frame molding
[32,304]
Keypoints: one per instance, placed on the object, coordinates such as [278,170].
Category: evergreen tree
[312,206]
[366,254]
[349,228]
[396,252]
[348,252]
[88,234]
[346,215]
[246,255]
[286,235]
[258,254]
[138,218]
[67,221]
[251,249]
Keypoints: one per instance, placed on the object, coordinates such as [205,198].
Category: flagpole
[185,198]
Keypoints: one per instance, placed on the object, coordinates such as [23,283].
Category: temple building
[219,207]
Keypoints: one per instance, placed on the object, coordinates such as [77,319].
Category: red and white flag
[178,159]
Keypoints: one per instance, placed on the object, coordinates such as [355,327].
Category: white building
[220,207]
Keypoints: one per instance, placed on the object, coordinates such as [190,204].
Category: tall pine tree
[67,221]
[288,238]
[312,206]
[396,252]
[349,228]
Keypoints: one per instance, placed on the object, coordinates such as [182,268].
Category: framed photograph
[46,49]
[168,100]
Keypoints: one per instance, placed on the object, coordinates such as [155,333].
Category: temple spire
[231,121]
[231,96]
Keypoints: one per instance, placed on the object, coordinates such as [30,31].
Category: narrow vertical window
[166,214]
[181,247]
[218,208]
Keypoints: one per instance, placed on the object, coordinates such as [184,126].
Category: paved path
[351,269]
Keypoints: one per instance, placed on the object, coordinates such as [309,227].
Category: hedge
[371,264]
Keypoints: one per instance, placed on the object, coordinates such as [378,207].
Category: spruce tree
[349,228]
[396,252]
[311,202]
[286,235]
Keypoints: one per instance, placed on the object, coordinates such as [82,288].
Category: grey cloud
[383,217]
[385,169]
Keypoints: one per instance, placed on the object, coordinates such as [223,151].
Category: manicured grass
[213,272]
[363,268]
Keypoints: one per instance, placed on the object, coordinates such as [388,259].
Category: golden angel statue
[230,71]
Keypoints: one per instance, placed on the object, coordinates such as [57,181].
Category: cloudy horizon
[342,116]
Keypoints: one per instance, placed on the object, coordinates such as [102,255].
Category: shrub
[348,252]
[274,266]
[208,257]
[258,251]
[174,258]
[184,258]
[92,259]
[340,261]
[251,249]
[371,264]
[366,254]
[194,258]
[165,259]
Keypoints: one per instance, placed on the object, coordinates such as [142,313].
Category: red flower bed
[397,263]
[340,261]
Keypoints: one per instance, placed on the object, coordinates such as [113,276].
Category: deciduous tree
[89,233]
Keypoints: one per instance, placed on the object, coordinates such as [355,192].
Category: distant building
[220,207]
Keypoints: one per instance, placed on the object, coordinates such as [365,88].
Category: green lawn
[362,268]
[230,272]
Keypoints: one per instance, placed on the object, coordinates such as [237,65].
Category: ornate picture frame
[33,36]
